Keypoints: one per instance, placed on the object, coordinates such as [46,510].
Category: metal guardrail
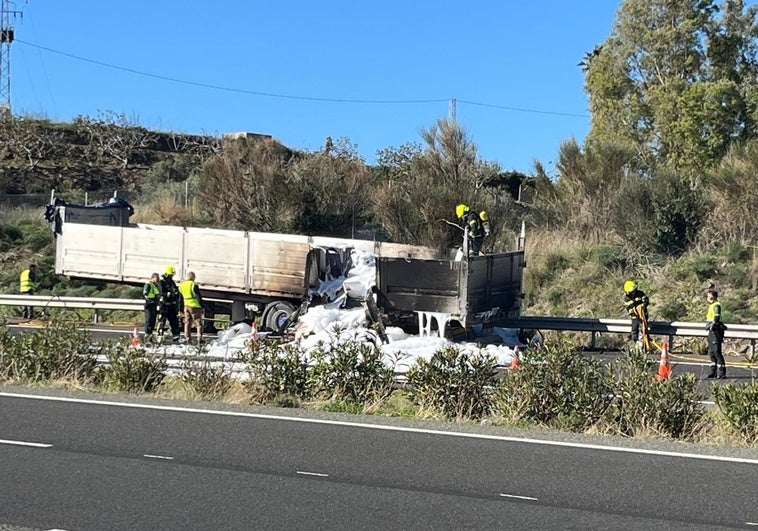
[79,303]
[575,324]
[73,303]
[624,326]
[56,301]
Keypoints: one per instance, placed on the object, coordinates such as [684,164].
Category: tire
[276,316]
[531,337]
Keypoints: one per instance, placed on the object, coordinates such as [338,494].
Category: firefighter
[151,292]
[477,226]
[168,304]
[636,303]
[193,306]
[27,286]
[716,328]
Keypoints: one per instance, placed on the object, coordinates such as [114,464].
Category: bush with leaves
[553,386]
[58,351]
[448,171]
[739,405]
[207,379]
[454,383]
[669,407]
[258,194]
[277,370]
[130,369]
[351,372]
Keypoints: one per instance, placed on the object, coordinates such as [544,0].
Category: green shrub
[287,401]
[672,310]
[555,262]
[739,405]
[737,274]
[734,251]
[351,372]
[130,369]
[610,258]
[207,379]
[277,370]
[670,407]
[60,350]
[454,383]
[10,233]
[704,266]
[554,386]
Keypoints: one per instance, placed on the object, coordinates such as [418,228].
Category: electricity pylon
[6,38]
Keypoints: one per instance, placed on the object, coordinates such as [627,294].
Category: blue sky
[374,72]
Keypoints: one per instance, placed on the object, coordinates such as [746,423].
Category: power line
[219,87]
[519,109]
[288,96]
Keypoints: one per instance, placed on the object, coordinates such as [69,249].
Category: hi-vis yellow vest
[187,289]
[714,309]
[25,283]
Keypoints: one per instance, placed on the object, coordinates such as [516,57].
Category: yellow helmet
[630,286]
[461,210]
[483,216]
[170,271]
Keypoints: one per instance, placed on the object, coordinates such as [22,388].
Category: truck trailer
[279,275]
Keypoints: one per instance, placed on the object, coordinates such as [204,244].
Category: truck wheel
[531,337]
[276,316]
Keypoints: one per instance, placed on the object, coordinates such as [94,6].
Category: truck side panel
[219,258]
[466,289]
[148,249]
[420,285]
[90,251]
[494,281]
[278,266]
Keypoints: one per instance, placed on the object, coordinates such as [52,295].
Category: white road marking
[518,497]
[751,523]
[153,456]
[317,474]
[483,436]
[24,443]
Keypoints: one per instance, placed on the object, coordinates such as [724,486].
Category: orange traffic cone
[514,360]
[664,369]
[135,338]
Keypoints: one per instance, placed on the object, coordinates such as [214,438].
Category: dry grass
[164,211]
[545,242]
[16,215]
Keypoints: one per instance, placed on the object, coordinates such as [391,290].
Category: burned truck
[278,276]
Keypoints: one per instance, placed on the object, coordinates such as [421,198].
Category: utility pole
[451,109]
[6,38]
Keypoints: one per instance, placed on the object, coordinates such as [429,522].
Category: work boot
[712,374]
[722,372]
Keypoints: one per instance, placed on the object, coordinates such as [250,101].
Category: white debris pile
[331,323]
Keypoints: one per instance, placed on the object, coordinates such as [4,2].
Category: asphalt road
[91,465]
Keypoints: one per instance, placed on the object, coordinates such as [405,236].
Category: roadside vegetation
[553,387]
[664,190]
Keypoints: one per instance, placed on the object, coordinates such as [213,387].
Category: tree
[246,187]
[586,197]
[334,187]
[113,135]
[734,199]
[419,187]
[675,81]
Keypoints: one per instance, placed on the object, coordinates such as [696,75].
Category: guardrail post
[94,317]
